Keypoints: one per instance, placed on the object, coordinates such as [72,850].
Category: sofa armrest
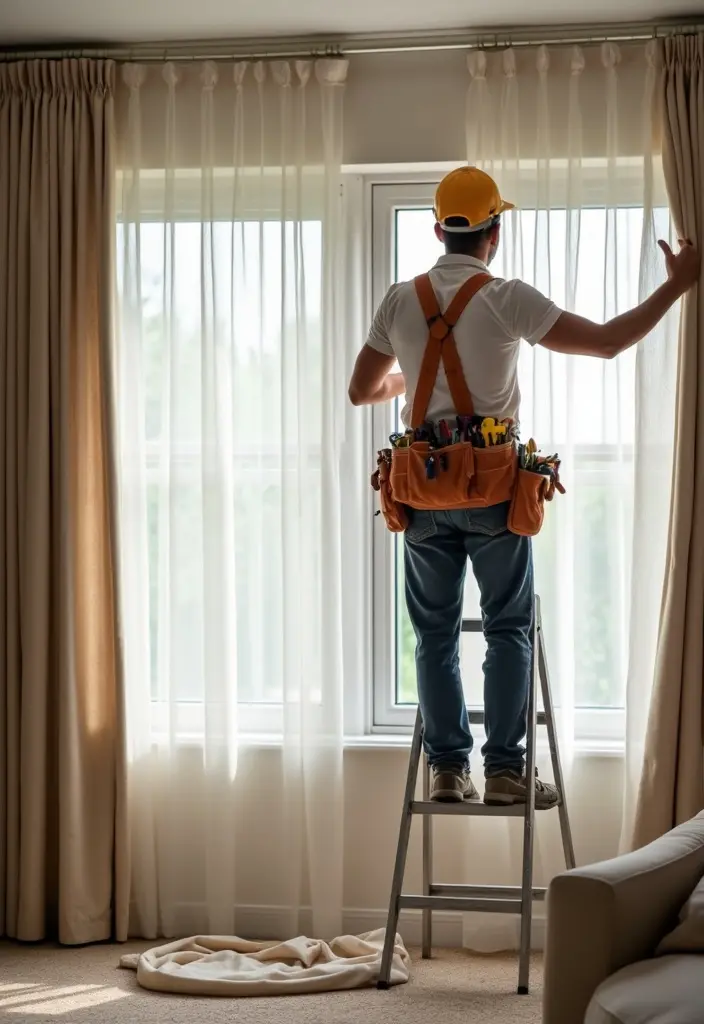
[603,917]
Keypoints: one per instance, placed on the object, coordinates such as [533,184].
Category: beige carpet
[46,985]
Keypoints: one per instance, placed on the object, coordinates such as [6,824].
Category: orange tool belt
[469,477]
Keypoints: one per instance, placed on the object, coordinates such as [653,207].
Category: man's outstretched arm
[372,381]
[575,335]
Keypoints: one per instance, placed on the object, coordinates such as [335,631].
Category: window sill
[402,741]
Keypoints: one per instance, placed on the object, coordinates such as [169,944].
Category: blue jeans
[436,547]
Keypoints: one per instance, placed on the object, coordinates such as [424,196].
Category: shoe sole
[451,796]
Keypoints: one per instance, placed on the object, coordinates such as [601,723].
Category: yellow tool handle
[491,430]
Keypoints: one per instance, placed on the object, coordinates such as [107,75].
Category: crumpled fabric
[230,966]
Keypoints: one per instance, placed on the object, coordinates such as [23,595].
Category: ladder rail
[565,830]
[529,814]
[427,918]
[401,853]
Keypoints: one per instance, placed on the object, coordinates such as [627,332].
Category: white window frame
[595,728]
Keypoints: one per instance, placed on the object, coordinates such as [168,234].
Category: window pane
[258,318]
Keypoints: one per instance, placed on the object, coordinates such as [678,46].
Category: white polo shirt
[488,337]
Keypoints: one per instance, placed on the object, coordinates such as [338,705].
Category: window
[583,586]
[583,408]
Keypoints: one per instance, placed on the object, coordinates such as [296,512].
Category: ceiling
[98,21]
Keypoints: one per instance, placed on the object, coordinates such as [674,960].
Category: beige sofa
[611,954]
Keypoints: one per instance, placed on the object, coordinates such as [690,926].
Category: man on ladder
[487,334]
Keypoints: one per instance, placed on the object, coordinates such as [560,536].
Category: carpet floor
[50,985]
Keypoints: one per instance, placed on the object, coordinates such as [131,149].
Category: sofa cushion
[668,990]
[688,936]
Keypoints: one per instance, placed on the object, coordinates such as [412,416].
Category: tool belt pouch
[495,474]
[432,479]
[531,491]
[455,476]
[395,515]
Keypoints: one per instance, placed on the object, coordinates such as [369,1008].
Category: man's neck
[481,256]
[458,258]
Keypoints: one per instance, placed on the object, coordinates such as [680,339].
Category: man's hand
[683,267]
[372,380]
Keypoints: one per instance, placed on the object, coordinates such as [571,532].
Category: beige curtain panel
[672,783]
[63,868]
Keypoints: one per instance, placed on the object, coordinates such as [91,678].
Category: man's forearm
[629,328]
[392,386]
[575,335]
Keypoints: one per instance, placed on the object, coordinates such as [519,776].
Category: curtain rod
[287,47]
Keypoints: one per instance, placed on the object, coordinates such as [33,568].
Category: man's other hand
[372,380]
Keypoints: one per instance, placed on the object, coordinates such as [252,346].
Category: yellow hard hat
[469,193]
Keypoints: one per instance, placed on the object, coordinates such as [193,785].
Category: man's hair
[466,243]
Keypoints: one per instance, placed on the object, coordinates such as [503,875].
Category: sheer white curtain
[549,125]
[230,435]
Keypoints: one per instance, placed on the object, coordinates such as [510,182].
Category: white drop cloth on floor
[229,966]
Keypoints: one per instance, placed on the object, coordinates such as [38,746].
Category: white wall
[411,107]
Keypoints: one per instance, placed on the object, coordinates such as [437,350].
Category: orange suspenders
[441,345]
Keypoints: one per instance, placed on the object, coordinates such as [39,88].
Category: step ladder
[502,898]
